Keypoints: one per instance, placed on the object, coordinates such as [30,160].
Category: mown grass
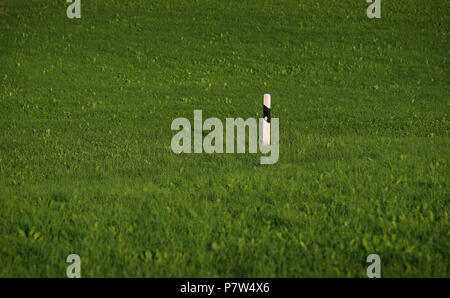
[86,165]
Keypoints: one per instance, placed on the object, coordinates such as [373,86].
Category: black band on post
[266,113]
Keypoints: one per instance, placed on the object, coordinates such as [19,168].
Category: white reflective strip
[266,133]
[267,100]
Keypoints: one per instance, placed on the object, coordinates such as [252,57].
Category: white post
[266,120]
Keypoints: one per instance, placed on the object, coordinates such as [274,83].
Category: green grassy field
[86,165]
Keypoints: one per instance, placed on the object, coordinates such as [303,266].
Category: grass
[86,165]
